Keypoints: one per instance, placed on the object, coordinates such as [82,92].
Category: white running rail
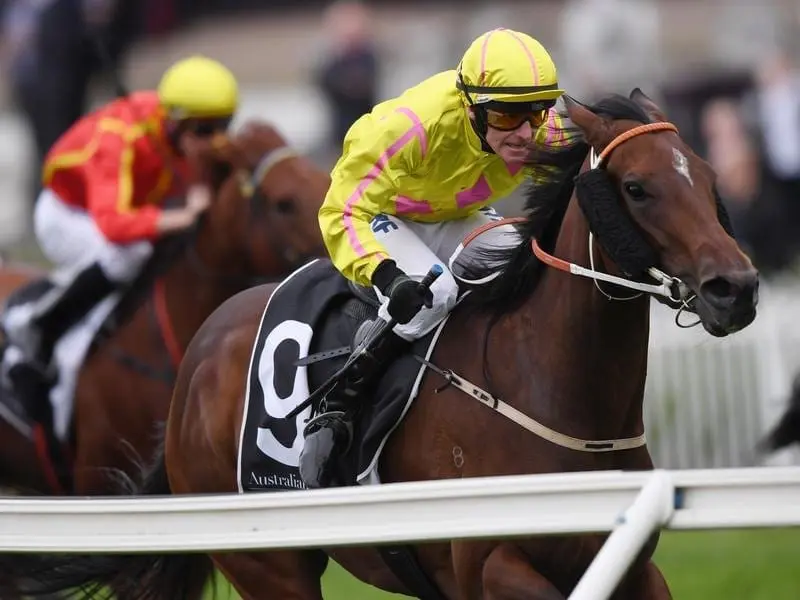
[630,505]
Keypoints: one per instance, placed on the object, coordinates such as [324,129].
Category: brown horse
[556,347]
[261,225]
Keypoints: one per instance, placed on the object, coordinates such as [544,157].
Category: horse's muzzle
[727,303]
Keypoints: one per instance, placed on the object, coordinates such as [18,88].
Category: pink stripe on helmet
[484,50]
[527,50]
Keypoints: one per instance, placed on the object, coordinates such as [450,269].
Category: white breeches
[69,238]
[416,247]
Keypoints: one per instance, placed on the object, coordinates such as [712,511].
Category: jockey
[106,181]
[417,174]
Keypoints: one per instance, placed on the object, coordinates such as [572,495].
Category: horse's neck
[592,351]
[197,283]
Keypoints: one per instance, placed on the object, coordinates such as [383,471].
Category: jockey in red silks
[106,181]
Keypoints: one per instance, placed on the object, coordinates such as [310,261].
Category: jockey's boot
[329,435]
[56,312]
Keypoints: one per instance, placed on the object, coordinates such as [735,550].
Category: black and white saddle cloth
[315,309]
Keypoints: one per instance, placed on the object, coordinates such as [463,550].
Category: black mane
[545,206]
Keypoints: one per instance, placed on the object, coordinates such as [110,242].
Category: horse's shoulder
[233,324]
[217,358]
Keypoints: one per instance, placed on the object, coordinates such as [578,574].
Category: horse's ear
[650,107]
[594,127]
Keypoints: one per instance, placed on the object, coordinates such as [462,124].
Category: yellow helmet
[198,87]
[503,65]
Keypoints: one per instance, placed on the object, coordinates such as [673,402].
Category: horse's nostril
[724,292]
[719,288]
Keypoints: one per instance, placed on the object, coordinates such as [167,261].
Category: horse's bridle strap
[669,287]
[632,133]
[248,185]
[269,160]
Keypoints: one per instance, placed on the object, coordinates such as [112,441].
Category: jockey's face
[190,131]
[206,128]
[511,145]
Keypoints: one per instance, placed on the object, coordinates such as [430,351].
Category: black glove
[406,296]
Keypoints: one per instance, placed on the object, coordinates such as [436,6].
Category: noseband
[672,288]
[250,185]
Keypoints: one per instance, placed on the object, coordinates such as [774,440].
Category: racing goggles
[505,121]
[209,127]
[508,116]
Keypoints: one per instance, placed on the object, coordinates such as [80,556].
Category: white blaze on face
[681,164]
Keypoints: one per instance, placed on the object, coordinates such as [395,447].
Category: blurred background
[726,71]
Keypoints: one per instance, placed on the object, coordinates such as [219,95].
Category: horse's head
[652,202]
[269,202]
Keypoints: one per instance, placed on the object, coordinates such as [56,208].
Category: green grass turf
[757,564]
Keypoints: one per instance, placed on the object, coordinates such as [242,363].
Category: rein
[671,288]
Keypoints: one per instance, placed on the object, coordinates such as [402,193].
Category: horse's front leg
[508,575]
[645,583]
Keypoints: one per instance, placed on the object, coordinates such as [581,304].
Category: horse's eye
[284,207]
[634,190]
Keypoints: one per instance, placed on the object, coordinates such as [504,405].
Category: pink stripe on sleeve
[415,131]
[555,132]
[417,128]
